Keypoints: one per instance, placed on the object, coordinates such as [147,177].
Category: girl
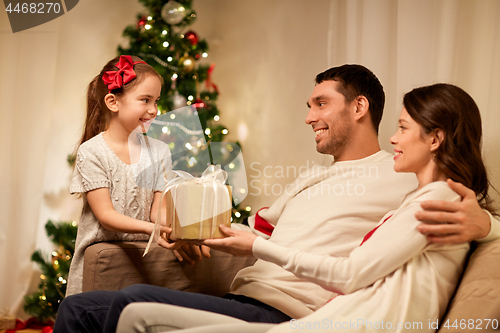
[118,170]
[396,279]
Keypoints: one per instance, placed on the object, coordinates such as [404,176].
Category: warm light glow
[207,131]
[169,59]
[188,146]
[147,26]
[164,129]
[204,55]
[172,116]
[150,18]
[242,190]
[190,97]
[248,208]
[164,32]
[242,131]
[165,44]
[175,76]
[158,113]
[237,214]
[225,131]
[216,118]
[231,165]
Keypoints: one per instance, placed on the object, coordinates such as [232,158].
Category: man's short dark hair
[357,80]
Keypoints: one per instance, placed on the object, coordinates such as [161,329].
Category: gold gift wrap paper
[194,200]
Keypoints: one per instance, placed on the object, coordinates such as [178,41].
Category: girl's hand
[237,242]
[164,240]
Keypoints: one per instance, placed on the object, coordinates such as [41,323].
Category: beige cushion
[478,295]
[115,265]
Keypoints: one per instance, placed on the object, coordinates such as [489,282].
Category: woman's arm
[393,244]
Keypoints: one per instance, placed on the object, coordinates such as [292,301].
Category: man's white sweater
[326,211]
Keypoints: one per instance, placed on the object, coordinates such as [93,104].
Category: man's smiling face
[330,117]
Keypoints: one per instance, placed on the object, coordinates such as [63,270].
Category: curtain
[414,43]
[44,72]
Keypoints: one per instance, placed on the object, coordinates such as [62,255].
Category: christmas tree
[44,303]
[163,39]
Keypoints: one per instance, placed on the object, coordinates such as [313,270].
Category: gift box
[195,210]
[195,206]
[7,322]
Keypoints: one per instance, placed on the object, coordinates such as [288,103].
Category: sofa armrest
[115,265]
[478,295]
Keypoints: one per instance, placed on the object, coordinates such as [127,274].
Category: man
[327,210]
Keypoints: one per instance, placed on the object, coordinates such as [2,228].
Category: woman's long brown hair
[451,109]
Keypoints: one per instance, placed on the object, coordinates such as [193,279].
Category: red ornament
[208,82]
[200,104]
[142,22]
[192,37]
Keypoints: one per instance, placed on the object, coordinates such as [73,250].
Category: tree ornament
[173,12]
[209,84]
[192,37]
[178,100]
[141,23]
[200,104]
[186,63]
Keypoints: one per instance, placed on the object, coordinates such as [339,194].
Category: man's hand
[191,252]
[454,222]
[237,242]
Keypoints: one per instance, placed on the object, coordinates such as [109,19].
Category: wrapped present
[195,210]
[195,206]
[7,321]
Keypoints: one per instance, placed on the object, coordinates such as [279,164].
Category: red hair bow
[124,74]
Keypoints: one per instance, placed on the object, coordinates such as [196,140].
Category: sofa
[115,265]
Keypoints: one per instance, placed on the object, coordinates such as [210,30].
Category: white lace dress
[131,188]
